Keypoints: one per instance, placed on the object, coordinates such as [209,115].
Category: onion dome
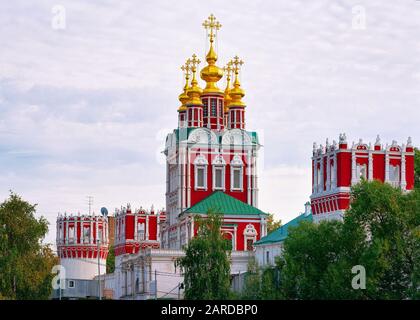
[183,97]
[237,93]
[211,73]
[194,92]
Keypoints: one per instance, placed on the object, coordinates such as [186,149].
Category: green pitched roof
[281,233]
[224,204]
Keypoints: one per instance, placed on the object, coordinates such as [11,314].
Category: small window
[213,107]
[140,231]
[200,178]
[237,178]
[218,183]
[394,173]
[361,171]
[205,108]
[268,256]
[71,284]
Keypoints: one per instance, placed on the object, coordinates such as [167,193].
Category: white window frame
[359,168]
[141,228]
[200,162]
[222,169]
[73,284]
[394,169]
[219,164]
[235,165]
[72,233]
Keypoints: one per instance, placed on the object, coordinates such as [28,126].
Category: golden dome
[183,97]
[228,99]
[237,93]
[194,92]
[211,73]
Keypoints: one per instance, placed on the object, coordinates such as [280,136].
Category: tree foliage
[25,262]
[261,283]
[110,260]
[272,224]
[416,168]
[380,232]
[206,264]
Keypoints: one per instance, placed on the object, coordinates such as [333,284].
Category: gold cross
[186,68]
[212,25]
[237,64]
[194,62]
[228,69]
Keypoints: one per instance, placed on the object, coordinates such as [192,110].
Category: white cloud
[81,108]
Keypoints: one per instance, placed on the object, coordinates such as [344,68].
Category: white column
[321,175]
[91,230]
[315,173]
[67,230]
[147,226]
[158,227]
[403,179]
[235,234]
[354,178]
[248,172]
[192,227]
[370,169]
[328,174]
[335,170]
[386,166]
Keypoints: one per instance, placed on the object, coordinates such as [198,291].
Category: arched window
[332,175]
[236,173]
[200,172]
[86,234]
[361,171]
[71,234]
[394,174]
[140,231]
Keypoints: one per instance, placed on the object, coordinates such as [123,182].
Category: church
[211,164]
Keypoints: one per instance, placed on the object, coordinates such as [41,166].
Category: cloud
[83,110]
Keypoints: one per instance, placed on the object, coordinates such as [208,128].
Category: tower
[337,167]
[211,152]
[80,239]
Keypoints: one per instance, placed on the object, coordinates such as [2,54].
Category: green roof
[281,233]
[224,204]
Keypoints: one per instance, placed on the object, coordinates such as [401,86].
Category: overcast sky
[84,110]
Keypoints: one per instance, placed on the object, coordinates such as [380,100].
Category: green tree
[25,262]
[206,264]
[272,224]
[110,260]
[380,232]
[416,168]
[261,283]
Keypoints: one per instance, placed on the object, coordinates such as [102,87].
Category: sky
[88,91]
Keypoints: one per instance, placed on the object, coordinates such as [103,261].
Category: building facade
[82,247]
[337,167]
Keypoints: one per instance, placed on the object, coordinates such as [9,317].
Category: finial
[378,140]
[237,93]
[183,97]
[327,144]
[195,91]
[360,141]
[409,142]
[342,138]
[211,25]
[211,73]
[228,71]
[334,145]
[314,147]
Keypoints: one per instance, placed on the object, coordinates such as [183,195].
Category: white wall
[83,269]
